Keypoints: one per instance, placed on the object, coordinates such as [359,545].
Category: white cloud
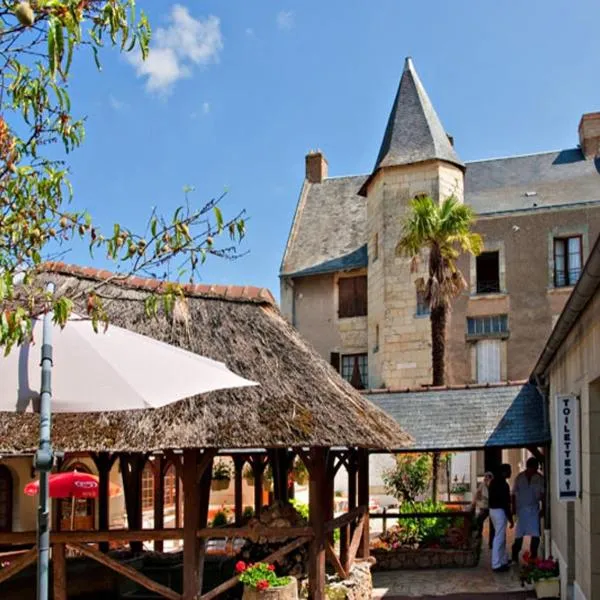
[116,104]
[285,19]
[250,32]
[186,42]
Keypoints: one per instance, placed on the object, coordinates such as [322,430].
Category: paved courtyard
[451,584]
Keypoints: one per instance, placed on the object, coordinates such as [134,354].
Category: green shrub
[424,529]
[220,519]
[410,477]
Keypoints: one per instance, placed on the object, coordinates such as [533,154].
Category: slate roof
[414,132]
[468,419]
[331,222]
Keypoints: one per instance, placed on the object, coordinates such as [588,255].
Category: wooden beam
[159,499]
[238,481]
[127,571]
[18,538]
[132,467]
[204,505]
[363,500]
[317,507]
[356,542]
[104,462]
[59,572]
[345,519]
[191,519]
[335,561]
[272,558]
[18,564]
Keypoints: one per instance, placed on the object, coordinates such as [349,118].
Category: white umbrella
[96,372]
[114,370]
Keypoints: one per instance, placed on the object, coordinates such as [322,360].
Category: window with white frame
[489,326]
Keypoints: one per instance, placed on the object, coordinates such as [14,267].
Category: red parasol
[72,484]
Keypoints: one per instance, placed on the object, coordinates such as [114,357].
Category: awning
[506,416]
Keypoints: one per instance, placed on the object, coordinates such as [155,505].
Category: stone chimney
[316,166]
[589,135]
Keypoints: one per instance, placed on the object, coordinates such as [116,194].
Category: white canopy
[115,370]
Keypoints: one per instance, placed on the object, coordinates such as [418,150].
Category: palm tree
[444,230]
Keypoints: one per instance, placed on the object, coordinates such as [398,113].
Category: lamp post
[44,458]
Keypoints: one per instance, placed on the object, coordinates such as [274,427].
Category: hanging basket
[547,588]
[285,592]
[218,485]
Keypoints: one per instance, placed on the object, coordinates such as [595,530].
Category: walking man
[500,516]
[527,497]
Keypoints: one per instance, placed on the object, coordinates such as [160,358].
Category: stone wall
[425,558]
[358,586]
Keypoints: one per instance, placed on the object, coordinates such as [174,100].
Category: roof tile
[234,293]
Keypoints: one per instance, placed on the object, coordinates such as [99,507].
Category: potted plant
[221,476]
[221,518]
[260,581]
[543,574]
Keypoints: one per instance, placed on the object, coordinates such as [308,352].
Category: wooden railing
[81,541]
[352,526]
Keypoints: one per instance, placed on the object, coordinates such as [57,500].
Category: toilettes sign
[566,441]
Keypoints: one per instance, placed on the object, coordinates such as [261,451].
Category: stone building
[348,293]
[568,371]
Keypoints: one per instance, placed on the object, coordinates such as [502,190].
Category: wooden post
[329,491]
[436,476]
[191,521]
[316,503]
[59,572]
[104,463]
[352,470]
[204,504]
[159,499]
[132,467]
[258,464]
[238,462]
[363,499]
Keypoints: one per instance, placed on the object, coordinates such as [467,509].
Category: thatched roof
[301,400]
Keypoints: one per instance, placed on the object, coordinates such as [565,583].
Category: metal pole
[44,457]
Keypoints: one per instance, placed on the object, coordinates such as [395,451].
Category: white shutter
[488,361]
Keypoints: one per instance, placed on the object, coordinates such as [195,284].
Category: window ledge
[474,337]
[423,316]
[491,296]
[567,289]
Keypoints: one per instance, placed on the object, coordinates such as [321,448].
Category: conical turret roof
[414,132]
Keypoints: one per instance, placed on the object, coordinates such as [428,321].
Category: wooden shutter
[353,299]
[360,296]
[334,359]
[488,361]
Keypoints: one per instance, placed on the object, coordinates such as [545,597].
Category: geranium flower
[271,567]
[263,584]
[526,556]
[240,566]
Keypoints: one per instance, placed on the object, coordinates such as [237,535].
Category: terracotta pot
[547,588]
[285,592]
[219,485]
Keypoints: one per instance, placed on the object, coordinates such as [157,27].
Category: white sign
[566,442]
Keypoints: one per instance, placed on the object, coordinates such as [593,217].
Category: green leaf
[97,58]
[52,47]
[218,217]
[59,38]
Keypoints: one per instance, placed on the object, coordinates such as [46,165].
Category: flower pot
[285,592]
[547,588]
[219,485]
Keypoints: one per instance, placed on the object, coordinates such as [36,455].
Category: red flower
[240,566]
[263,584]
[526,557]
[271,567]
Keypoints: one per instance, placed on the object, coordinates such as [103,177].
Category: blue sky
[238,91]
